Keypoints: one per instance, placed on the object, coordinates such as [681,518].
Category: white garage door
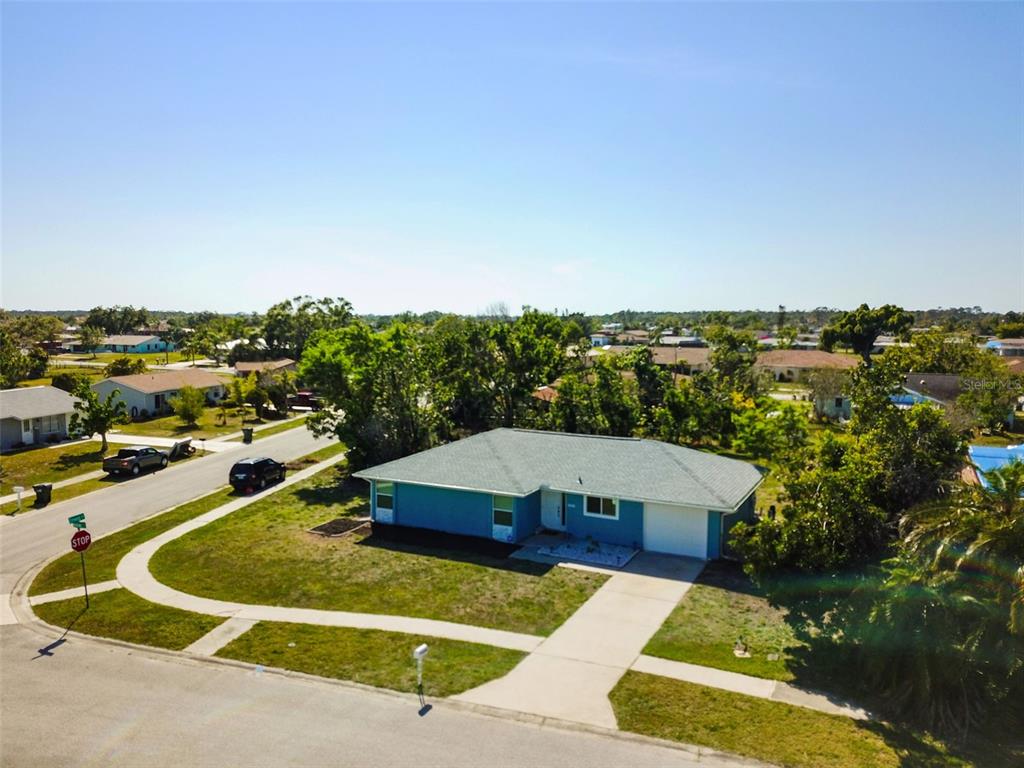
[676,530]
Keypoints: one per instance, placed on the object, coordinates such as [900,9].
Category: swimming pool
[989,457]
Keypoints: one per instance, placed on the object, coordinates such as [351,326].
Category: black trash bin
[246,434]
[43,493]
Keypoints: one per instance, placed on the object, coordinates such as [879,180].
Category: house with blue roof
[508,484]
[989,457]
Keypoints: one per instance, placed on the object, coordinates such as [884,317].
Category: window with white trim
[385,495]
[501,513]
[602,506]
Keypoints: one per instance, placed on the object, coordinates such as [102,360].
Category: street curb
[170,468]
[44,629]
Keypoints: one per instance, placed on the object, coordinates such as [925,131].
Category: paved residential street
[91,704]
[34,536]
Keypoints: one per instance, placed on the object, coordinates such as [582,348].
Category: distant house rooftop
[259,366]
[128,340]
[804,358]
[35,402]
[166,381]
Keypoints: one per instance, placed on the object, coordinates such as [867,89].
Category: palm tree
[944,637]
[976,535]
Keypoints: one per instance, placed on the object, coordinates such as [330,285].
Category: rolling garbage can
[43,493]
[246,434]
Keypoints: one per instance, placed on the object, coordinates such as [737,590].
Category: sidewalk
[216,445]
[133,574]
[28,495]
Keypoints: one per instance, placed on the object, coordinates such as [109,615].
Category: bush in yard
[188,405]
[125,366]
[70,381]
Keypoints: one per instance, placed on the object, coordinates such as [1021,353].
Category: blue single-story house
[507,484]
[135,344]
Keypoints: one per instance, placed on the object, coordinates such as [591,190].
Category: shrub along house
[507,484]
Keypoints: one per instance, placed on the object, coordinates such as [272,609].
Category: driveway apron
[571,673]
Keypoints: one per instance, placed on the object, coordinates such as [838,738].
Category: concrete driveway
[571,672]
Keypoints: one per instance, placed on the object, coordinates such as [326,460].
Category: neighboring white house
[34,415]
[148,394]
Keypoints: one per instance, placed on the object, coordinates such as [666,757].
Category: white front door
[552,510]
[676,530]
[27,436]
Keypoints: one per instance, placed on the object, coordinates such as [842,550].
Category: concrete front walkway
[133,574]
[571,673]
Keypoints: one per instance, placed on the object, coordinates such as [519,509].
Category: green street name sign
[78,521]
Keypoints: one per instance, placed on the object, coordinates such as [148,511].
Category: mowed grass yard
[124,616]
[721,607]
[265,554]
[48,464]
[372,657]
[210,425]
[782,734]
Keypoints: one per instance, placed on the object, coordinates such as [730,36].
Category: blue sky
[589,157]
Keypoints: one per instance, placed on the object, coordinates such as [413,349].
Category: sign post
[80,542]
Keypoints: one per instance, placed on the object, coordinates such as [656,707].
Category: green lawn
[48,464]
[106,552]
[265,554]
[767,730]
[284,426]
[722,606]
[94,374]
[210,425]
[124,616]
[151,358]
[372,657]
[61,494]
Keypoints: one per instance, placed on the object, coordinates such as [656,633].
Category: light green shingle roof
[518,461]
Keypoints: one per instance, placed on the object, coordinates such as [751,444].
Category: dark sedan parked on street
[249,475]
[134,459]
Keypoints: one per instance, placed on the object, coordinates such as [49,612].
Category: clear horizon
[580,157]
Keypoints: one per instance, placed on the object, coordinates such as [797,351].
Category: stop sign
[81,541]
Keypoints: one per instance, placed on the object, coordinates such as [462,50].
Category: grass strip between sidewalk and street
[121,615]
[767,730]
[48,464]
[275,429]
[372,657]
[106,552]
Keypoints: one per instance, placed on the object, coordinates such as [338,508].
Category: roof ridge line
[501,461]
[665,449]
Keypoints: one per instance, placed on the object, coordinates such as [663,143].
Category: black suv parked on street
[249,475]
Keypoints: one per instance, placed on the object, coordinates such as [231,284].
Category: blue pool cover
[989,457]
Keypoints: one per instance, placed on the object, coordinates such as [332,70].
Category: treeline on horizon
[952,319]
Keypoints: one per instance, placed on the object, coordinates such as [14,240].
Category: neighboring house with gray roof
[507,484]
[149,394]
[34,415]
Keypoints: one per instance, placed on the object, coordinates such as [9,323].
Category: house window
[385,495]
[26,426]
[502,511]
[839,402]
[602,506]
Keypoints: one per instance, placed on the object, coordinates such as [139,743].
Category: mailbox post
[419,653]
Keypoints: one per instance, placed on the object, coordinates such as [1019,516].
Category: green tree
[732,358]
[256,395]
[767,428]
[528,353]
[97,416]
[90,337]
[682,414]
[14,365]
[69,381]
[125,366]
[290,324]
[461,361]
[943,642]
[826,385]
[188,405]
[860,328]
[377,387]
[598,402]
[279,385]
